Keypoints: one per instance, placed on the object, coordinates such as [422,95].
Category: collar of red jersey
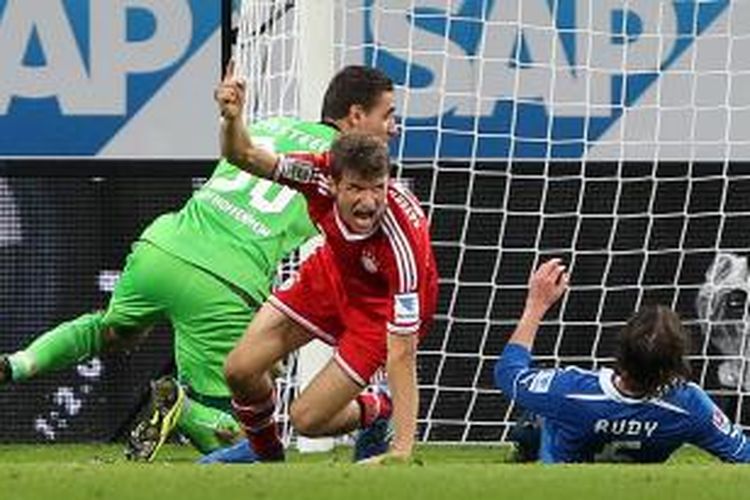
[347,233]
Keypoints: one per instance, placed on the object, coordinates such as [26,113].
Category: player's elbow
[514,360]
[236,157]
[504,375]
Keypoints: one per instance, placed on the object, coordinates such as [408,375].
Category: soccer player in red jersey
[370,290]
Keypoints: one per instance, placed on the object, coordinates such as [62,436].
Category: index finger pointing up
[229,71]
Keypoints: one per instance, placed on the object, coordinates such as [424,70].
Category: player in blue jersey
[640,411]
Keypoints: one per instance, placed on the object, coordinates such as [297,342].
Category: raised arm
[236,145]
[546,286]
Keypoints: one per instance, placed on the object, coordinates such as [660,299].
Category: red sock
[260,427]
[373,405]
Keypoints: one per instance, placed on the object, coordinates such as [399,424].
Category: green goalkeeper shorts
[207,314]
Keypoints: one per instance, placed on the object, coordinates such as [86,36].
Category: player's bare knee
[305,420]
[238,372]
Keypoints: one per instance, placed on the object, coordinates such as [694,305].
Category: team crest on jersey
[369,262]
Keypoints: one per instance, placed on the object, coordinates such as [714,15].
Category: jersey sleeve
[308,173]
[538,390]
[404,317]
[715,433]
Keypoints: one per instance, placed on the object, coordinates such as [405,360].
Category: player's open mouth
[363,223]
[363,220]
[364,215]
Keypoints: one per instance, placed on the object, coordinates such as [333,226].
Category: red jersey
[391,268]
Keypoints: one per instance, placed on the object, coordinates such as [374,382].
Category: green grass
[459,473]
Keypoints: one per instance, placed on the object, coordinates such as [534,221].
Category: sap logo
[74,71]
[538,77]
[42,56]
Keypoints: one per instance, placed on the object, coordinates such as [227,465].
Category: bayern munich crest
[369,262]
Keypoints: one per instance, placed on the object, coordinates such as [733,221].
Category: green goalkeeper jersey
[239,226]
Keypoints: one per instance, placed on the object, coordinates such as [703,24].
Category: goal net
[609,133]
[266,53]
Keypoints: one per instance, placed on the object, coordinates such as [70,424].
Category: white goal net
[612,133]
[266,53]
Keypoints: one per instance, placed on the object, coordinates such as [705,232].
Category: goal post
[316,70]
[285,51]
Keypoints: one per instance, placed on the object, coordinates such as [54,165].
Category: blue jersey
[586,418]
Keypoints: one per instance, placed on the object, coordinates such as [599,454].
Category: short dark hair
[652,348]
[353,85]
[363,154]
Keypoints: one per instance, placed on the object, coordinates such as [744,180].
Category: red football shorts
[357,326]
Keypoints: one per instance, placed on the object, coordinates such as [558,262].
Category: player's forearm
[546,286]
[525,332]
[402,379]
[234,140]
[238,148]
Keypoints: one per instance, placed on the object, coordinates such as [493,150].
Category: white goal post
[285,50]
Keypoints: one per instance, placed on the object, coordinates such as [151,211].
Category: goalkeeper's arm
[236,144]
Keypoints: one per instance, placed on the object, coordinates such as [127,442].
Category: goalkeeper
[206,269]
[641,411]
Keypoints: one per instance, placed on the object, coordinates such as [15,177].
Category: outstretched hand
[230,94]
[389,458]
[546,286]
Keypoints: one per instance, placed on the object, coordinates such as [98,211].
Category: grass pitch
[453,472]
